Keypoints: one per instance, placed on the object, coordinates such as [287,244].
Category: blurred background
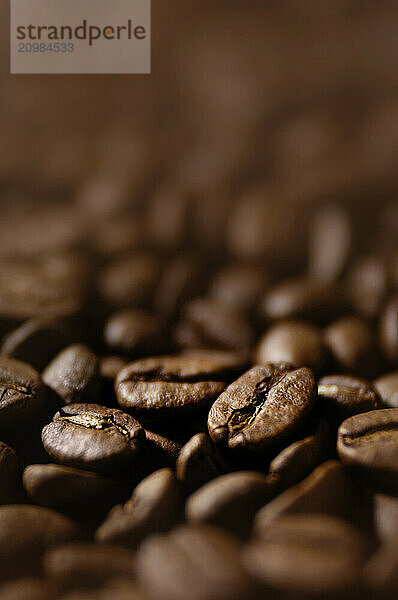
[266,138]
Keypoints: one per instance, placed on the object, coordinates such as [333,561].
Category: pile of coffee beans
[179,423]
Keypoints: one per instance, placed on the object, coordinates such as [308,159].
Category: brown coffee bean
[380,572]
[93,437]
[162,386]
[350,342]
[342,396]
[133,331]
[239,285]
[326,490]
[295,342]
[110,366]
[369,443]
[11,467]
[310,555]
[192,563]
[156,505]
[367,285]
[74,374]
[199,462]
[28,588]
[388,330]
[295,462]
[387,387]
[230,501]
[299,297]
[385,516]
[262,407]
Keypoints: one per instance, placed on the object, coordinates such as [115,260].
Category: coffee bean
[74,374]
[209,324]
[342,396]
[71,490]
[192,563]
[89,565]
[297,460]
[167,385]
[158,451]
[367,285]
[93,437]
[296,342]
[27,532]
[36,341]
[387,387]
[28,588]
[133,332]
[312,555]
[380,572]
[198,462]
[262,407]
[156,505]
[230,501]
[385,515]
[326,490]
[11,467]
[299,297]
[22,394]
[239,285]
[350,342]
[110,366]
[388,330]
[368,443]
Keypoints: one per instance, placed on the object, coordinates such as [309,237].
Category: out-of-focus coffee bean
[167,218]
[199,462]
[176,384]
[329,243]
[93,437]
[72,565]
[130,281]
[133,332]
[27,532]
[206,323]
[36,341]
[28,588]
[74,374]
[230,501]
[110,366]
[118,234]
[263,407]
[380,572]
[297,460]
[11,467]
[342,396]
[22,394]
[368,443]
[367,285]
[388,330]
[71,490]
[326,490]
[295,342]
[192,563]
[385,515]
[310,555]
[387,387]
[240,285]
[156,505]
[350,342]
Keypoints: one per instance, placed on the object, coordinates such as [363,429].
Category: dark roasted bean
[262,407]
[11,467]
[350,342]
[239,285]
[301,297]
[133,332]
[198,462]
[387,387]
[28,588]
[388,330]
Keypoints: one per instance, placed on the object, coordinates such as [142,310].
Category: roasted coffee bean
[117,234]
[300,297]
[342,396]
[327,490]
[199,462]
[174,385]
[192,563]
[11,467]
[28,588]
[74,374]
[36,341]
[89,565]
[387,387]
[110,366]
[27,532]
[167,217]
[369,443]
[262,407]
[156,505]
[309,555]
[239,285]
[329,243]
[22,394]
[380,572]
[295,462]
[295,342]
[367,285]
[158,451]
[350,342]
[385,516]
[209,324]
[388,330]
[230,501]
[133,332]
[93,437]
[130,281]
[71,490]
